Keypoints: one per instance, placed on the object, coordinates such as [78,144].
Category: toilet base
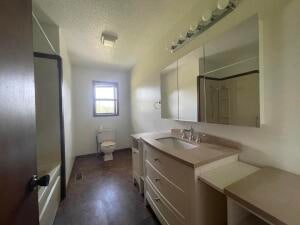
[108,157]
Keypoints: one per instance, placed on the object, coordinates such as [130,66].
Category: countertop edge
[192,165]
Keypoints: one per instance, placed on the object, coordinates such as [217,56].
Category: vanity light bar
[208,19]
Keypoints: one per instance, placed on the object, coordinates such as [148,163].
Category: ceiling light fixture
[109,39]
[209,18]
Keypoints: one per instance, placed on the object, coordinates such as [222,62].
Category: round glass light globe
[206,16]
[222,4]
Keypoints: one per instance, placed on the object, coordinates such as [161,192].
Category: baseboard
[123,149]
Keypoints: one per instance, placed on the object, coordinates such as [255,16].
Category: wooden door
[18,205]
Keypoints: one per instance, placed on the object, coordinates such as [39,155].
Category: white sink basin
[174,143]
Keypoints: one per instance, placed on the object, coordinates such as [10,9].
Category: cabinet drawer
[174,170]
[165,213]
[171,192]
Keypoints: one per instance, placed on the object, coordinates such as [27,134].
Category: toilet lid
[107,143]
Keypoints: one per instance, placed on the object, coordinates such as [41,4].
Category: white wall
[277,142]
[85,124]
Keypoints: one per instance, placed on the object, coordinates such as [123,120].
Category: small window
[106,98]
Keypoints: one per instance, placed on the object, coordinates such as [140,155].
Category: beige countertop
[140,135]
[203,154]
[227,174]
[271,193]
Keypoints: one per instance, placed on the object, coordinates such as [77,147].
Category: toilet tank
[106,135]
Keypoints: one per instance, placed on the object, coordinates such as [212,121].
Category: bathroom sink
[174,143]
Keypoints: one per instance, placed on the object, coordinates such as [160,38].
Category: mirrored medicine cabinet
[217,82]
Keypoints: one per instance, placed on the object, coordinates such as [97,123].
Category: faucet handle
[198,139]
[191,137]
[183,134]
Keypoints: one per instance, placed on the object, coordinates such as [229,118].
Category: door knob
[38,181]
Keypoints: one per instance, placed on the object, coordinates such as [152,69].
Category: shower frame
[58,60]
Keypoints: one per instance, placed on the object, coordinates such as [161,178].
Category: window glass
[105,107]
[106,100]
[105,92]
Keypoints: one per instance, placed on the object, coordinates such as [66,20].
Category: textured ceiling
[139,25]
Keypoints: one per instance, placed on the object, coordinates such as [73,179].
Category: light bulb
[193,27]
[206,16]
[222,4]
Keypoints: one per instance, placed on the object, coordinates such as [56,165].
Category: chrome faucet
[199,137]
[191,133]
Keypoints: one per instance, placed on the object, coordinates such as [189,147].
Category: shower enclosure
[49,133]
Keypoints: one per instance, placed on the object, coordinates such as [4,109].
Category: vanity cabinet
[137,163]
[175,194]
[168,185]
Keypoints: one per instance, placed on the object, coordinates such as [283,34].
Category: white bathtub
[49,197]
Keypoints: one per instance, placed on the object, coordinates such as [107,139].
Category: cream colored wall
[85,124]
[276,143]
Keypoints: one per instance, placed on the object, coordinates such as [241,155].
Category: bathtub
[49,197]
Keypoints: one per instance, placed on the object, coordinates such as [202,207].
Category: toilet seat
[107,144]
[108,147]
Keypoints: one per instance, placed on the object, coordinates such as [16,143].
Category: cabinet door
[189,68]
[141,158]
[135,162]
[169,92]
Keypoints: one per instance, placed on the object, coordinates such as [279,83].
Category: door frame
[58,59]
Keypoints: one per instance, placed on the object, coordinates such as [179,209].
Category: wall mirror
[231,77]
[217,82]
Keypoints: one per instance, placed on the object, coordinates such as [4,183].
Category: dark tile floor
[105,195]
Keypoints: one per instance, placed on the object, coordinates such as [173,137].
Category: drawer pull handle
[157,199]
[156,179]
[156,160]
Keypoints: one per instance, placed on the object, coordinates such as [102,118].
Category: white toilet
[106,142]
